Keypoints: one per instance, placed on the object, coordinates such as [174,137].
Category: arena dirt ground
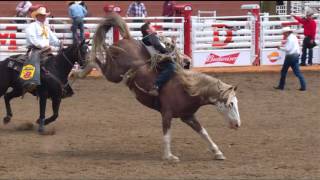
[104,133]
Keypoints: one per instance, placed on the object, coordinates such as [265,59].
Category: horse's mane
[205,86]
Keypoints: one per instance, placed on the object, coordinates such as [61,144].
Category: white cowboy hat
[40,10]
[309,11]
[77,2]
[287,29]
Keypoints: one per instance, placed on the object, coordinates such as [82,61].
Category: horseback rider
[150,38]
[39,37]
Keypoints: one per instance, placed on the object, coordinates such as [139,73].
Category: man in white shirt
[39,33]
[39,36]
[292,51]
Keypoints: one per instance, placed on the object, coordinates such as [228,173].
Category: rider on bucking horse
[150,38]
[39,37]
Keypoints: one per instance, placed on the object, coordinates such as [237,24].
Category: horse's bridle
[68,60]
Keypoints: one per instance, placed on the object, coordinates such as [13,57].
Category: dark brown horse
[54,78]
[181,97]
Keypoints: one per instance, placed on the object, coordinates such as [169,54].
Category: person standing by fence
[309,32]
[136,9]
[22,10]
[77,13]
[168,11]
[292,51]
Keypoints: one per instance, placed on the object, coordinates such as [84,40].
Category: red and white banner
[218,58]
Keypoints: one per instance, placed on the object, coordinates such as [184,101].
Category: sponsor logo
[27,72]
[229,59]
[274,56]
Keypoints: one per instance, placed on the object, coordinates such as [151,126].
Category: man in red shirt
[310,27]
[168,11]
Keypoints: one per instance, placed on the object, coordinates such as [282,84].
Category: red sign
[229,59]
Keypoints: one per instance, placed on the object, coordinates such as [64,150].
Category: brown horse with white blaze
[180,97]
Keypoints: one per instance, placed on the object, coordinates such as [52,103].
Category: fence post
[256,14]
[186,10]
[255,11]
[116,34]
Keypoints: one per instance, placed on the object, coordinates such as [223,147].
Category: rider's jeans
[165,74]
[77,23]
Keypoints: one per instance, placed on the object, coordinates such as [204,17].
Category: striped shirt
[137,10]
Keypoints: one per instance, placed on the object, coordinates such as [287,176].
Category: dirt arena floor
[104,133]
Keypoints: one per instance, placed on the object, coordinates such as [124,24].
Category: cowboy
[292,51]
[150,38]
[309,32]
[77,12]
[39,38]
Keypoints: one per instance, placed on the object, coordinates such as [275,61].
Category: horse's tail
[113,20]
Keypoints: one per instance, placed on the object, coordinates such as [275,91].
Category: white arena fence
[271,37]
[13,37]
[215,41]
[222,41]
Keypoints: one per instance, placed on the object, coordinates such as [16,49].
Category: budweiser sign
[229,59]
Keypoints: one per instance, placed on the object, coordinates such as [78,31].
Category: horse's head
[77,52]
[228,106]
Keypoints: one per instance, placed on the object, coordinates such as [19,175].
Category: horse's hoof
[172,158]
[6,119]
[219,157]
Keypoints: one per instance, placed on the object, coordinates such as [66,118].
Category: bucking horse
[54,78]
[128,60]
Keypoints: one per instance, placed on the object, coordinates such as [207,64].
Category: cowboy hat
[309,11]
[40,10]
[77,2]
[287,29]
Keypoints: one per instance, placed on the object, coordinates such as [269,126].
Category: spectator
[310,27]
[22,10]
[108,8]
[77,13]
[136,9]
[292,51]
[168,11]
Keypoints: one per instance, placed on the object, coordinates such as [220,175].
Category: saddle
[16,61]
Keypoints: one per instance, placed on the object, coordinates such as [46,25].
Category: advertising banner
[274,56]
[219,58]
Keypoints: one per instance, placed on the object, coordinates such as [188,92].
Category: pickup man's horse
[181,97]
[54,78]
